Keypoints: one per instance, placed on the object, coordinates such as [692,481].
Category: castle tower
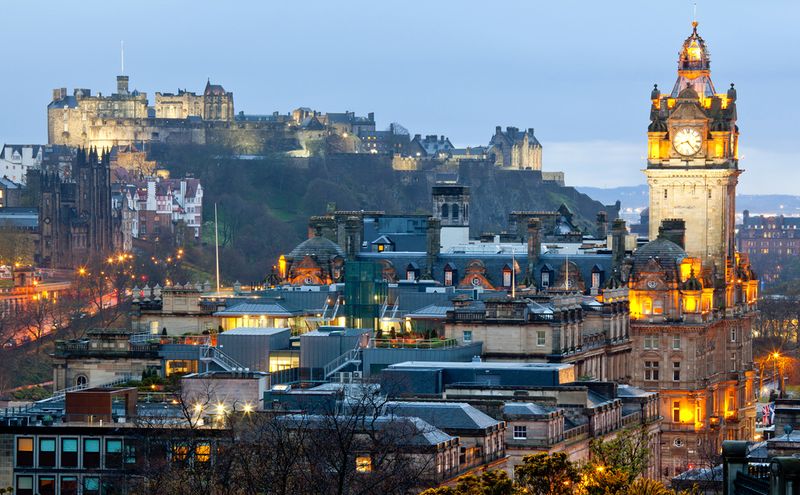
[692,163]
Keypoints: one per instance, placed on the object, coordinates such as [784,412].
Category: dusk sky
[580,73]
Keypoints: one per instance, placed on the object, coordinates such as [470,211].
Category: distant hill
[635,198]
[265,203]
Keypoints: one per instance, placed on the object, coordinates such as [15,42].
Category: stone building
[16,160]
[76,220]
[692,296]
[515,150]
[214,104]
[767,239]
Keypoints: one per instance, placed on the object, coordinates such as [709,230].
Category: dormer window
[412,272]
[597,276]
[449,275]
[507,276]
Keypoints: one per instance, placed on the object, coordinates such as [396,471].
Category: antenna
[694,13]
[122,57]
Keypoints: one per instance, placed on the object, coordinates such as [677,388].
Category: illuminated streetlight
[247,408]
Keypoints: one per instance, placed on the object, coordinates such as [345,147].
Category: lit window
[180,452]
[520,432]
[202,452]
[596,280]
[69,452]
[507,278]
[91,486]
[91,452]
[363,464]
[113,453]
[448,278]
[25,452]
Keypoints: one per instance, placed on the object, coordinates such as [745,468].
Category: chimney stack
[602,225]
[534,245]
[673,229]
[618,233]
[352,229]
[434,243]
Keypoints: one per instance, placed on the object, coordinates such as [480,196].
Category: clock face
[687,141]
[652,284]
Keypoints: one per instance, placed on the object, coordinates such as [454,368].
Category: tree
[545,474]
[493,482]
[628,453]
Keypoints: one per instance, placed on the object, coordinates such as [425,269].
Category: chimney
[618,233]
[434,242]
[352,229]
[530,131]
[498,129]
[602,225]
[534,244]
[371,116]
[673,229]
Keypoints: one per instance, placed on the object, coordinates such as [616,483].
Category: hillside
[264,204]
[636,197]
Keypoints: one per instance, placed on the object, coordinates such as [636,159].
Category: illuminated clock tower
[692,161]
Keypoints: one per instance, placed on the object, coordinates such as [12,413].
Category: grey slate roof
[444,415]
[270,309]
[526,409]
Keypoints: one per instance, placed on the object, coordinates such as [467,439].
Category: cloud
[606,163]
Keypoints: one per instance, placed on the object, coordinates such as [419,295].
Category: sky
[579,72]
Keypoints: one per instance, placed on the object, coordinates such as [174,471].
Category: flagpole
[216,242]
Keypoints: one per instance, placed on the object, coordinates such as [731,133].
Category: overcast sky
[580,73]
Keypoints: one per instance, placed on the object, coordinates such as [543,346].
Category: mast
[216,242]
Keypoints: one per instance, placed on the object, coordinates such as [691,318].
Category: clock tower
[692,161]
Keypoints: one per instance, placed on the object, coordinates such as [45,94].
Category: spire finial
[694,16]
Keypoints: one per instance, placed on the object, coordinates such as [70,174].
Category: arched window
[455,211]
[445,210]
[81,381]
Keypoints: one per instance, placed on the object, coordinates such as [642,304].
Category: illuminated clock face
[687,141]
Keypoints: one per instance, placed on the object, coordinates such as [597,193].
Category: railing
[341,361]
[214,354]
[402,343]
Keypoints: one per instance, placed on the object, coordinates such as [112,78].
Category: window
[410,275]
[91,452]
[113,453]
[665,194]
[647,306]
[25,484]
[202,452]
[363,464]
[467,336]
[545,279]
[541,337]
[130,454]
[676,371]
[658,307]
[676,411]
[69,452]
[91,485]
[455,211]
[25,453]
[651,370]
[651,341]
[81,381]
[47,452]
[507,277]
[47,484]
[69,485]
[676,342]
[731,402]
[180,452]
[445,210]
[733,334]
[595,280]
[520,432]
[678,442]
[733,361]
[448,278]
